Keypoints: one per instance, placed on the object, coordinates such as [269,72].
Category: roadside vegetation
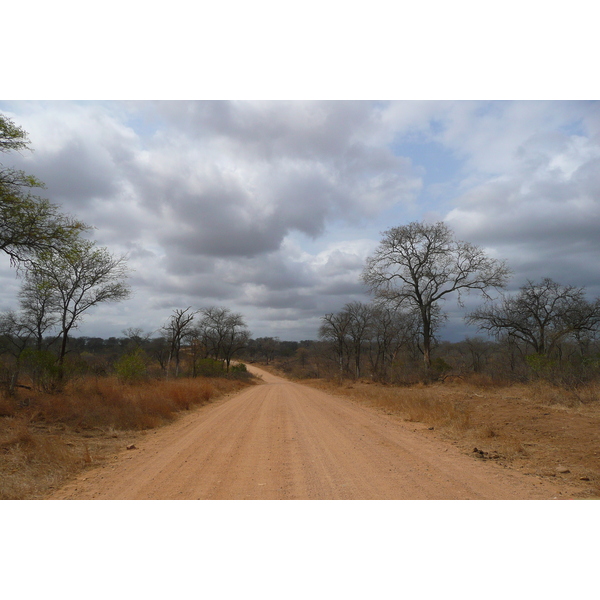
[65,402]
[48,436]
[542,422]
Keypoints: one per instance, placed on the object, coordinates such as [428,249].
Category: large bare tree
[541,315]
[213,328]
[391,330]
[419,264]
[39,305]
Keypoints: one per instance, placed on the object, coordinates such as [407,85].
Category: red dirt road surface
[281,440]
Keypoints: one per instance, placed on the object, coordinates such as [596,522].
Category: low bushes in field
[109,402]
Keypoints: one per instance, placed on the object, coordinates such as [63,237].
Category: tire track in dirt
[283,440]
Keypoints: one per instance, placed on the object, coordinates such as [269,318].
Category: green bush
[209,367]
[131,367]
[43,368]
[540,365]
[440,365]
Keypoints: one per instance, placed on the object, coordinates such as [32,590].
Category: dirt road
[282,440]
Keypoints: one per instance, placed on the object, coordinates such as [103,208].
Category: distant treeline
[135,356]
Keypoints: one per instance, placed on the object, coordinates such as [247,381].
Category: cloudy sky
[271,208]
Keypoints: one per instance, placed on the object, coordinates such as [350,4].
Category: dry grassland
[536,428]
[46,439]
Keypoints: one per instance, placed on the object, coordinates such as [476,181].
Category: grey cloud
[206,287]
[80,151]
[222,235]
[340,263]
[275,272]
[137,252]
[247,208]
[288,300]
[267,130]
[74,174]
[186,264]
[342,288]
[543,216]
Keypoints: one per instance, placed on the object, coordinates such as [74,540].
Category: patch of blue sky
[440,170]
[439,163]
[142,126]
[578,126]
[145,123]
[494,108]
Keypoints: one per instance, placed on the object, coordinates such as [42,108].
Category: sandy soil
[283,440]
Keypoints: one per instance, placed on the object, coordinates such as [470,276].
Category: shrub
[43,367]
[239,372]
[540,365]
[209,367]
[131,367]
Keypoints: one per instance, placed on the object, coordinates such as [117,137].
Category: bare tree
[391,330]
[236,337]
[136,336]
[479,351]
[267,347]
[222,333]
[214,329]
[359,329]
[196,345]
[418,265]
[175,331]
[541,315]
[334,329]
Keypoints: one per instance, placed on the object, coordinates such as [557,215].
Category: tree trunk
[426,339]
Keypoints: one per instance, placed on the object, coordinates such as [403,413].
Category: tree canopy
[419,264]
[78,278]
[28,223]
[541,315]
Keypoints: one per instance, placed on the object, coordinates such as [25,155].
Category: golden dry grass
[417,403]
[46,438]
[32,462]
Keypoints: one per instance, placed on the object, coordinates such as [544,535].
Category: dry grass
[543,392]
[536,428]
[31,462]
[109,403]
[417,403]
[46,438]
